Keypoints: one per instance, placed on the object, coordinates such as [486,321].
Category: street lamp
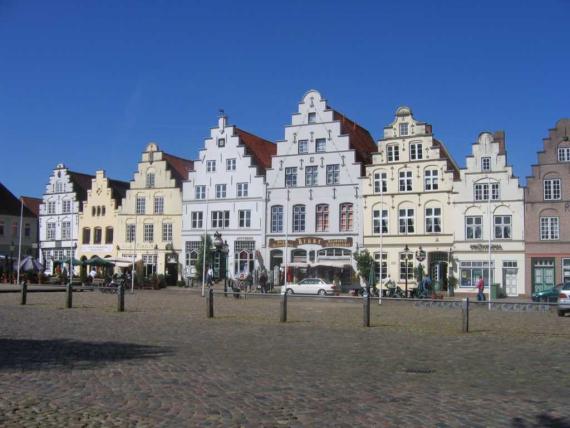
[73,248]
[406,253]
[221,248]
[12,247]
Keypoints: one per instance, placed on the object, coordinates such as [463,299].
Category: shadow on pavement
[27,354]
[543,420]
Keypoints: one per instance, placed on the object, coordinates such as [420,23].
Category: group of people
[244,283]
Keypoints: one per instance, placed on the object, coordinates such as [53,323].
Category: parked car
[311,286]
[547,295]
[564,300]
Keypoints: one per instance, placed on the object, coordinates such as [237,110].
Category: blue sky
[90,83]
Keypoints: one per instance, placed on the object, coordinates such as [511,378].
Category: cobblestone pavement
[163,363]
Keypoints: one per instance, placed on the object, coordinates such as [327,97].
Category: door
[543,274]
[510,281]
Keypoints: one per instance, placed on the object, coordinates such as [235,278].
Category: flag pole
[20,240]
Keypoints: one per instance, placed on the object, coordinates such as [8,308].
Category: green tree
[364,265]
[209,255]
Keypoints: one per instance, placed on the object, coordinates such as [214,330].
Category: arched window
[97,235]
[299,218]
[277,219]
[346,217]
[86,235]
[299,256]
[322,218]
[108,235]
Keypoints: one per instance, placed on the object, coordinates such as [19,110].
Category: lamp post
[406,253]
[221,248]
[12,247]
[73,248]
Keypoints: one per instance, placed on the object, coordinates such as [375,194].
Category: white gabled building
[59,215]
[313,208]
[487,175]
[225,193]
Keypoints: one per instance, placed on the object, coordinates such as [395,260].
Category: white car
[311,286]
[564,300]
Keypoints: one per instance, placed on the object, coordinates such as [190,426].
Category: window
[97,235]
[405,181]
[346,217]
[221,142]
[66,207]
[320,145]
[433,220]
[431,179]
[333,172]
[140,205]
[220,191]
[322,220]
[192,248]
[149,261]
[403,129]
[150,179]
[59,187]
[473,227]
[502,227]
[312,117]
[230,164]
[197,218]
[565,270]
[66,230]
[407,266]
[486,163]
[103,210]
[242,190]
[108,235]
[86,236]
[416,151]
[380,217]
[299,218]
[148,233]
[277,219]
[311,175]
[51,207]
[549,228]
[27,230]
[406,220]
[131,233]
[470,271]
[220,219]
[564,154]
[211,166]
[166,232]
[200,192]
[303,147]
[158,204]
[552,189]
[244,218]
[482,191]
[291,176]
[393,153]
[380,182]
[380,274]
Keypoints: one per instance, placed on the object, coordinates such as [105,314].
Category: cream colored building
[149,225]
[407,201]
[98,220]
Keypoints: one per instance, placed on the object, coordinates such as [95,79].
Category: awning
[122,262]
[323,263]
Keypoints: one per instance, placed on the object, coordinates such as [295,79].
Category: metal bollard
[68,296]
[283,315]
[225,287]
[366,309]
[465,313]
[210,303]
[121,298]
[24,295]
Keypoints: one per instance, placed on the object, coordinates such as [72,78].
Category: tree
[364,266]
[209,255]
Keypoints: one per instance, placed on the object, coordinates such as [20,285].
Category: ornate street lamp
[406,254]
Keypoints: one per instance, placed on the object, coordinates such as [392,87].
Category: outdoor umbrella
[98,261]
[28,263]
[74,260]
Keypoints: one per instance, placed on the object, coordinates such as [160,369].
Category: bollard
[283,316]
[366,309]
[210,303]
[24,294]
[121,298]
[68,296]
[226,287]
[465,312]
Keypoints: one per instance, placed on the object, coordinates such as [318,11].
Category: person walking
[480,288]
[210,276]
[263,281]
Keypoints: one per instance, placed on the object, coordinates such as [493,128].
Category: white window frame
[291,176]
[392,152]
[405,181]
[140,205]
[502,225]
[333,174]
[380,182]
[200,192]
[311,175]
[277,219]
[474,222]
[196,219]
[244,217]
[148,232]
[549,228]
[404,129]
[376,221]
[564,154]
[431,180]
[242,190]
[320,145]
[303,147]
[433,220]
[406,266]
[221,191]
[210,166]
[231,164]
[166,232]
[131,232]
[66,206]
[299,218]
[406,221]
[66,229]
[486,163]
[416,152]
[159,204]
[150,180]
[552,189]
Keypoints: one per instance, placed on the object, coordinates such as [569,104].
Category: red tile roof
[260,149]
[179,167]
[360,139]
[11,205]
[451,165]
[33,204]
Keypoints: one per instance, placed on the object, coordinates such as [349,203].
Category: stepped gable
[10,204]
[260,149]
[179,167]
[81,184]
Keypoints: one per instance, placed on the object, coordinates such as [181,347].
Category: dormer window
[312,117]
[486,163]
[221,142]
[564,154]
[403,129]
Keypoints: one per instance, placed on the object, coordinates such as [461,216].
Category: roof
[118,189]
[499,137]
[260,149]
[179,167]
[33,204]
[451,165]
[360,139]
[11,205]
[81,184]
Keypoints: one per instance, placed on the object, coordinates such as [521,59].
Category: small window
[549,228]
[403,129]
[416,151]
[291,176]
[552,189]
[242,190]
[244,218]
[564,154]
[220,191]
[502,226]
[311,176]
[405,181]
[321,145]
[211,166]
[473,227]
[221,142]
[230,164]
[380,182]
[303,147]
[486,163]
[150,180]
[200,192]
[312,117]
[393,153]
[333,174]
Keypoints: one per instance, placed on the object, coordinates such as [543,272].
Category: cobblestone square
[163,363]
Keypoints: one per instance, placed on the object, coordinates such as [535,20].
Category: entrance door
[171,273]
[543,274]
[510,281]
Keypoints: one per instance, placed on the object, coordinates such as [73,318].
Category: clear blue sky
[90,83]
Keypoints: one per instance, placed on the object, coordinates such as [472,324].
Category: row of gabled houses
[324,192]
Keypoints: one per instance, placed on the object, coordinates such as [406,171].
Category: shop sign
[96,248]
[310,240]
[482,247]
